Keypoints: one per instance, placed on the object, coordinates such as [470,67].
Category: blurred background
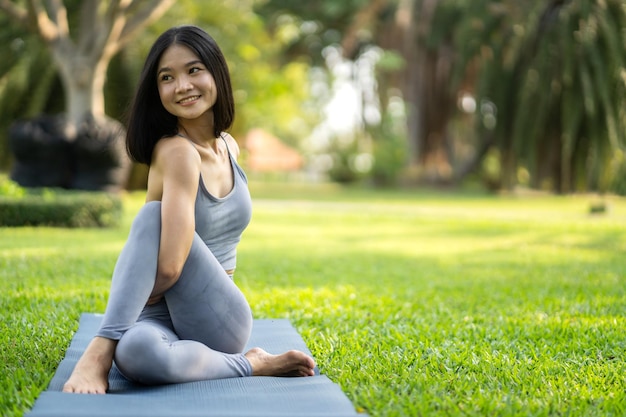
[499,94]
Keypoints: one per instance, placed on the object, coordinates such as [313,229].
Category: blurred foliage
[26,80]
[306,28]
[548,79]
[11,189]
[618,179]
[57,207]
[549,82]
[267,93]
[389,150]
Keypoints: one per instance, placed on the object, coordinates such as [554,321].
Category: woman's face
[186,87]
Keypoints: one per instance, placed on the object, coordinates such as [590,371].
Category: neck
[199,134]
[202,139]
[200,130]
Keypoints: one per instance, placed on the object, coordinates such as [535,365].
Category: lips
[188,99]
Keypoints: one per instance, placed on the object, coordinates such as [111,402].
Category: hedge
[61,208]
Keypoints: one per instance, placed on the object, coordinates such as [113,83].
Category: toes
[290,363]
[305,371]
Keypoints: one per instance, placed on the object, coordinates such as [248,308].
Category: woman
[174,314]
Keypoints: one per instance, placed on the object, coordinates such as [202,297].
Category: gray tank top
[221,221]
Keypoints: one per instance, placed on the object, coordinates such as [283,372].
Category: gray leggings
[196,332]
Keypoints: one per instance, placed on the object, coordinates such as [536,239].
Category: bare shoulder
[233,146]
[174,150]
[174,169]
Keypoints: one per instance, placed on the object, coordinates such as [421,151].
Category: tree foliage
[547,77]
[267,93]
[26,79]
[306,28]
[83,45]
[555,74]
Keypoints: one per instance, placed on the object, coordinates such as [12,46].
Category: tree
[546,78]
[429,54]
[554,73]
[413,30]
[104,28]
[329,35]
[267,94]
[82,148]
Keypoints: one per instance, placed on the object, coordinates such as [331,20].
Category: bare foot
[91,373]
[291,363]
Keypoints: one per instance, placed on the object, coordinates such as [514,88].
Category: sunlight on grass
[415,303]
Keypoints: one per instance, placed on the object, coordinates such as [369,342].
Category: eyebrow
[187,65]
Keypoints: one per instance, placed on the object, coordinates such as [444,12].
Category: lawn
[416,303]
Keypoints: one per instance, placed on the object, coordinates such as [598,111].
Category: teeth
[188,99]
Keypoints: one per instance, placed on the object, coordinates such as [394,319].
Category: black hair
[148,120]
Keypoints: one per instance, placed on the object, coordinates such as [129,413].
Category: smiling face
[186,87]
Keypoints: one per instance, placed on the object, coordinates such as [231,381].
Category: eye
[193,70]
[165,77]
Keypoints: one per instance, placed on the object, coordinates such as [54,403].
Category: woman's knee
[148,219]
[138,354]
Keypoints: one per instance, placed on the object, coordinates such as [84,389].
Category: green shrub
[10,188]
[61,208]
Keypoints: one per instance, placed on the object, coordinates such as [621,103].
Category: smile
[188,99]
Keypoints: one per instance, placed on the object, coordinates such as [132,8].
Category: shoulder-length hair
[148,120]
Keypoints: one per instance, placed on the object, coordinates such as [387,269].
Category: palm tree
[556,77]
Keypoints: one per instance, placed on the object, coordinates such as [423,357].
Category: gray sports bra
[221,221]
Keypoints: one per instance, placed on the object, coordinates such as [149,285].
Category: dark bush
[43,207]
[99,154]
[47,154]
[42,152]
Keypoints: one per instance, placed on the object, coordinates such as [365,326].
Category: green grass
[416,303]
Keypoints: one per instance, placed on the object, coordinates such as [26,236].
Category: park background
[448,232]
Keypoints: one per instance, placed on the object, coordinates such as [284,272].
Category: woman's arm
[178,167]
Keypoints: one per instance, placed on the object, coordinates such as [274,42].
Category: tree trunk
[83,82]
[401,34]
[432,140]
[425,84]
[431,98]
[508,168]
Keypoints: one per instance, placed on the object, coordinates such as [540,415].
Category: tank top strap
[189,140]
[225,143]
[236,168]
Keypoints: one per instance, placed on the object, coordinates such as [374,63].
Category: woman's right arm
[178,166]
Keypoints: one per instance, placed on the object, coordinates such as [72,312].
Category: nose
[183,85]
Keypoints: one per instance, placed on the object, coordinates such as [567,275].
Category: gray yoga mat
[250,396]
